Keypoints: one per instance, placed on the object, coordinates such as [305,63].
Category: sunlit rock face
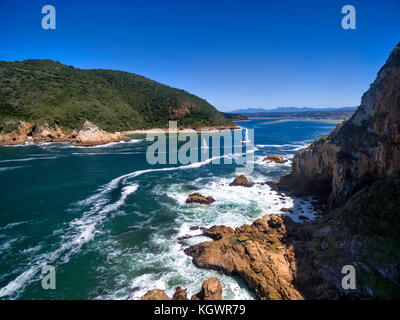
[358,151]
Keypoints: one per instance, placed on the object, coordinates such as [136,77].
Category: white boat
[246,136]
[205,146]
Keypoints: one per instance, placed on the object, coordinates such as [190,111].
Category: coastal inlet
[110,223]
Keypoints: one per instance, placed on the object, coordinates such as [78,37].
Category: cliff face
[360,150]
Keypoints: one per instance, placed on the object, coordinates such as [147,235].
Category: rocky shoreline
[356,171]
[90,135]
[211,289]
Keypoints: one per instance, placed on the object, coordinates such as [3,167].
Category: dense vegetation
[48,91]
[369,220]
[234,116]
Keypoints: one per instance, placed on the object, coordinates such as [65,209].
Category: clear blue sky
[235,54]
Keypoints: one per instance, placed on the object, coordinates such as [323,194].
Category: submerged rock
[241,181]
[198,198]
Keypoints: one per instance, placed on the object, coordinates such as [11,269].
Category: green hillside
[48,91]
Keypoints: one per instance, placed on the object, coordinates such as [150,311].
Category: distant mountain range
[290,110]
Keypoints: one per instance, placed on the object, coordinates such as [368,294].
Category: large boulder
[91,135]
[241,181]
[180,294]
[274,158]
[198,198]
[210,290]
[156,294]
[255,252]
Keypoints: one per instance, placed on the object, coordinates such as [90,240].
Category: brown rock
[15,132]
[286,210]
[180,294]
[198,198]
[274,158]
[92,135]
[241,181]
[155,294]
[210,290]
[255,252]
[358,151]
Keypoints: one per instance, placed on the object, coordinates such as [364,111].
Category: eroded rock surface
[241,181]
[274,158]
[256,253]
[198,198]
[359,151]
[19,132]
[156,294]
[93,135]
[211,289]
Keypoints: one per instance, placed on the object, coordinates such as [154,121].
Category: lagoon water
[108,221]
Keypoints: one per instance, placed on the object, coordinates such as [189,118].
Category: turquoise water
[109,222]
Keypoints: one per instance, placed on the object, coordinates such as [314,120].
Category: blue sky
[235,54]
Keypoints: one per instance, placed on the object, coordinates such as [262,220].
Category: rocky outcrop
[210,290]
[156,294]
[255,252]
[180,294]
[93,135]
[19,132]
[356,168]
[360,150]
[276,159]
[198,198]
[12,132]
[241,181]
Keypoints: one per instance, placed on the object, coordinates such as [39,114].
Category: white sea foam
[234,206]
[111,144]
[12,225]
[32,249]
[7,245]
[10,168]
[73,236]
[179,271]
[27,159]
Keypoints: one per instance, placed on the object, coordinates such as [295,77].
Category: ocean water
[108,221]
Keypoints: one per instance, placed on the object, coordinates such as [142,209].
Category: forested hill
[45,91]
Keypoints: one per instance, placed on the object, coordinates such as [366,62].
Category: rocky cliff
[356,169]
[360,150]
